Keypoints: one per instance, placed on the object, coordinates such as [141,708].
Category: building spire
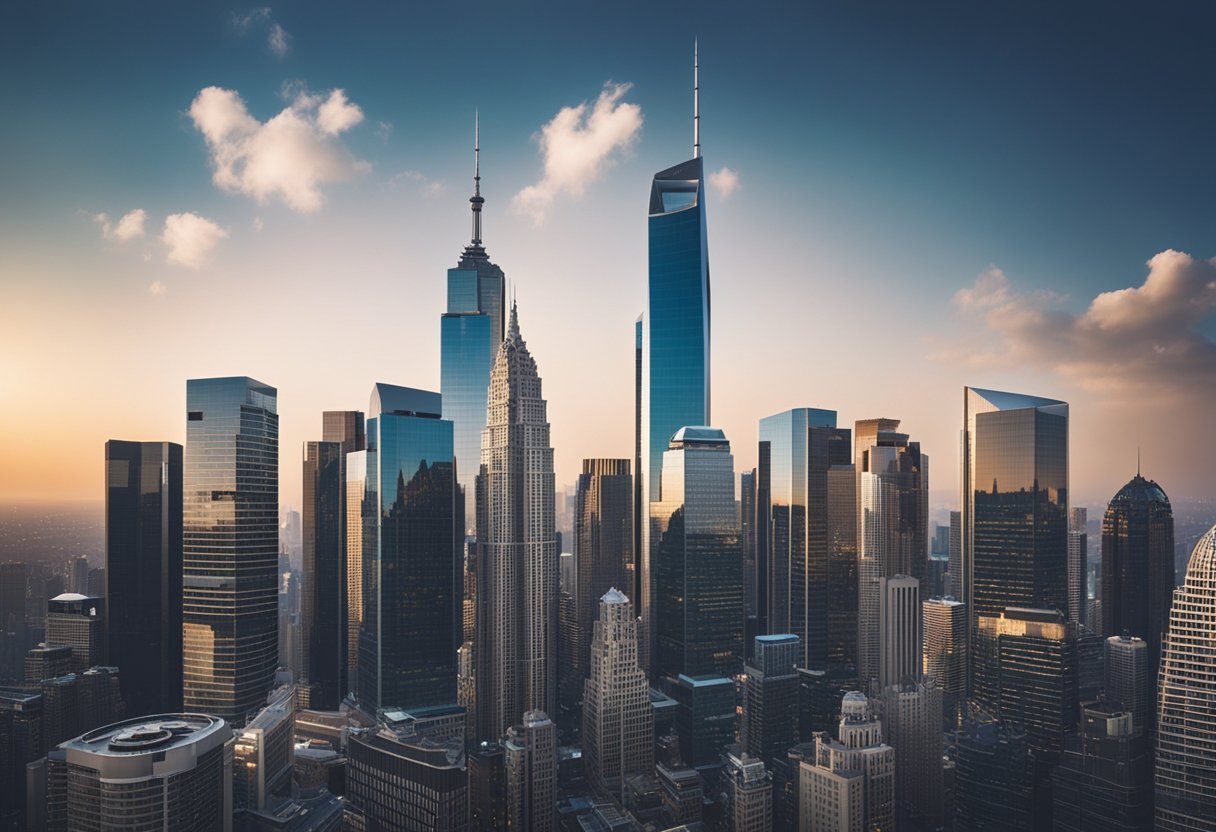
[476,200]
[696,103]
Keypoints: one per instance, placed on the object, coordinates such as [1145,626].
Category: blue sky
[887,156]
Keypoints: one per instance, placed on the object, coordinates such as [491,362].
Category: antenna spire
[696,103]
[1137,460]
[476,201]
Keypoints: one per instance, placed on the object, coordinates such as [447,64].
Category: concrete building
[912,716]
[770,697]
[749,794]
[76,620]
[944,623]
[531,773]
[263,753]
[850,785]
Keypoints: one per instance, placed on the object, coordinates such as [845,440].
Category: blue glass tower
[675,337]
[470,332]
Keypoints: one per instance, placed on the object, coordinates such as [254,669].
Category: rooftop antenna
[476,200]
[696,103]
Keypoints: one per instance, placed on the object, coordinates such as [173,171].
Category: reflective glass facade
[143,624]
[698,565]
[676,334]
[323,602]
[230,546]
[411,558]
[1015,513]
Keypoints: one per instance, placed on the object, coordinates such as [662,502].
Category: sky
[904,199]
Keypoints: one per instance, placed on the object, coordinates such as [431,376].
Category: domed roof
[1202,565]
[1140,490]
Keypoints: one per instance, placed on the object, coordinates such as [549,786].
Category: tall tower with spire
[675,337]
[470,331]
[516,637]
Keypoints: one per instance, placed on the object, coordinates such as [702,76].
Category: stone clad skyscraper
[230,593]
[516,644]
[675,334]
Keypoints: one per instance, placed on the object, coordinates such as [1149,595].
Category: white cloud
[157,289]
[277,40]
[244,22]
[725,182]
[288,157]
[578,145]
[128,227]
[1138,341]
[190,239]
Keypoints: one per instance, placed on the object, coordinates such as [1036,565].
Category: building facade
[770,697]
[1104,778]
[323,598]
[912,717]
[944,621]
[530,750]
[76,620]
[851,783]
[900,653]
[1126,681]
[1078,553]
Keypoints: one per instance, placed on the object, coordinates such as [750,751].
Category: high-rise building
[76,620]
[912,717]
[401,779]
[262,753]
[675,332]
[843,573]
[618,724]
[143,574]
[1014,514]
[770,697]
[470,332]
[899,623]
[797,449]
[603,547]
[323,596]
[411,558]
[994,779]
[20,744]
[1138,565]
[747,542]
[705,718]
[945,636]
[347,427]
[1104,778]
[230,546]
[851,782]
[171,771]
[46,661]
[487,787]
[1185,775]
[1126,682]
[956,554]
[749,794]
[531,767]
[517,559]
[1078,546]
[77,574]
[697,571]
[14,578]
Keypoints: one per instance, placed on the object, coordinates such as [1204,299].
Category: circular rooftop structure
[1201,568]
[1140,490]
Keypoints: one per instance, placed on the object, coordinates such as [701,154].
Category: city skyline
[1010,261]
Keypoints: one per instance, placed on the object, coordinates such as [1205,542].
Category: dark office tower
[1078,543]
[1104,778]
[411,558]
[797,449]
[323,598]
[230,546]
[470,332]
[603,545]
[994,780]
[76,620]
[1015,513]
[640,523]
[13,578]
[747,542]
[517,559]
[487,788]
[956,554]
[705,718]
[770,698]
[20,743]
[1126,684]
[1138,565]
[1186,734]
[842,572]
[912,717]
[696,562]
[143,621]
[675,334]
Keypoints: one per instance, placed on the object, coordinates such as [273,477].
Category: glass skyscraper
[470,332]
[675,335]
[230,546]
[411,567]
[323,600]
[1015,514]
[698,566]
[143,622]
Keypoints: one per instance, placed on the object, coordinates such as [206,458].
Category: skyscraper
[347,428]
[76,620]
[994,779]
[956,554]
[749,793]
[470,332]
[747,542]
[517,559]
[143,622]
[945,635]
[695,558]
[603,545]
[912,717]
[1185,774]
[675,370]
[770,697]
[1138,565]
[1126,682]
[323,600]
[899,624]
[851,783]
[531,769]
[411,557]
[797,449]
[1078,544]
[1014,512]
[230,546]
[618,723]
[1104,780]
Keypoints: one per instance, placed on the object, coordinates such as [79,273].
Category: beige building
[850,786]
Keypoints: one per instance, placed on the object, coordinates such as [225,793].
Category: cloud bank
[578,145]
[190,239]
[290,157]
[1142,340]
[128,227]
[725,182]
